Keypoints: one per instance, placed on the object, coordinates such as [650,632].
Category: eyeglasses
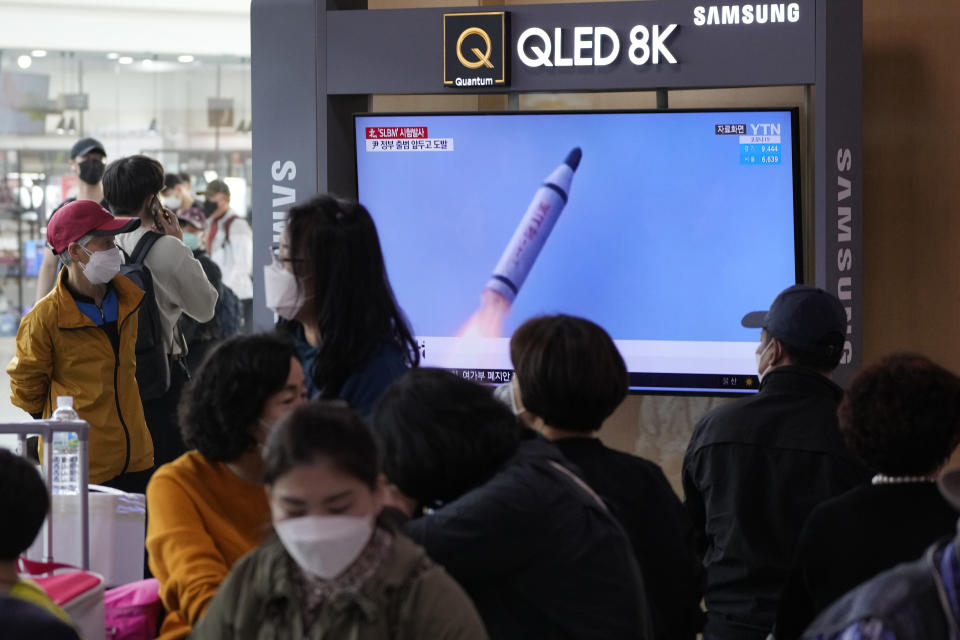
[279,257]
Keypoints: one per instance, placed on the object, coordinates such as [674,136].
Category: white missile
[534,228]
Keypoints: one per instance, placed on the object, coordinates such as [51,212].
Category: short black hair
[24,503]
[322,431]
[901,416]
[220,406]
[217,186]
[569,371]
[185,177]
[441,435]
[826,359]
[128,182]
[171,180]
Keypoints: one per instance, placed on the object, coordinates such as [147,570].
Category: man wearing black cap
[88,161]
[757,466]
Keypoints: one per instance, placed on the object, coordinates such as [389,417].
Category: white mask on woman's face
[325,546]
[102,265]
[283,293]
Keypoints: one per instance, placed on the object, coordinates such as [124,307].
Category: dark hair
[220,405]
[24,503]
[171,180]
[185,177]
[569,371]
[217,186]
[441,435]
[827,359]
[322,431]
[335,248]
[128,182]
[901,416]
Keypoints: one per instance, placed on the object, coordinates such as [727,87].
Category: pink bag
[133,610]
[79,593]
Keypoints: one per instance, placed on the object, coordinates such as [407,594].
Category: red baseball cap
[79,218]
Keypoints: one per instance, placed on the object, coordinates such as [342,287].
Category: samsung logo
[772,12]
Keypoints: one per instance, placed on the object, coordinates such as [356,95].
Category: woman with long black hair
[329,285]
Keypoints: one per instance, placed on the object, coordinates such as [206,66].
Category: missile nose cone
[573,158]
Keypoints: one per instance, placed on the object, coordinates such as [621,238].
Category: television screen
[664,228]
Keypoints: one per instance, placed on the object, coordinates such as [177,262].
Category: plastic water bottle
[66,451]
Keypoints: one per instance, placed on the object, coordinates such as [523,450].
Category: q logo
[483,59]
[474,49]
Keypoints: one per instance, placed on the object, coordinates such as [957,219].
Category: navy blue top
[363,387]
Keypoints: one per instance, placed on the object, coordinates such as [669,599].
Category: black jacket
[753,472]
[654,520]
[539,555]
[848,540]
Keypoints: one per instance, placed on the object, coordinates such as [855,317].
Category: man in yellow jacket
[80,340]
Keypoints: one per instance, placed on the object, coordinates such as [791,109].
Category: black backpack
[153,365]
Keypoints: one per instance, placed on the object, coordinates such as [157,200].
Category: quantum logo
[474,49]
[483,59]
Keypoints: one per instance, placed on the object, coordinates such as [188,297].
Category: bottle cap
[65,401]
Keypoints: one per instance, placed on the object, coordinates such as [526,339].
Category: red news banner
[404,139]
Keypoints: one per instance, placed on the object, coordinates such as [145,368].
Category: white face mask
[760,355]
[171,202]
[283,293]
[504,393]
[325,545]
[102,266]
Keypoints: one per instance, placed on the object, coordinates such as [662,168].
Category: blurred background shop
[169,78]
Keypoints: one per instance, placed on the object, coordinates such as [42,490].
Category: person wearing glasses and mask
[81,340]
[329,286]
[87,161]
[132,186]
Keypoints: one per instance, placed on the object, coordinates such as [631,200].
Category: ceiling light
[72,127]
[61,126]
[113,56]
[39,53]
[125,60]
[24,62]
[185,58]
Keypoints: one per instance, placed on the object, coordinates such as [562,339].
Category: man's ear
[76,253]
[779,354]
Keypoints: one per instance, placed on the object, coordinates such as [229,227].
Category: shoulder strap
[930,559]
[143,247]
[226,229]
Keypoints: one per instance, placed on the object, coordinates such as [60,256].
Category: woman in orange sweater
[209,506]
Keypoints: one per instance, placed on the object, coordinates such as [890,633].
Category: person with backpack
[230,245]
[201,337]
[80,340]
[334,569]
[175,284]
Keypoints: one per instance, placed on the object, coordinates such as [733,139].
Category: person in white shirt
[230,245]
[131,186]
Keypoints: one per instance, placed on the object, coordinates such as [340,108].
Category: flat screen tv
[663,227]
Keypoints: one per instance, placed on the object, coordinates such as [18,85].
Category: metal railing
[45,429]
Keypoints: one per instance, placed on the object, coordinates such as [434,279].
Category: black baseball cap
[85,146]
[805,318]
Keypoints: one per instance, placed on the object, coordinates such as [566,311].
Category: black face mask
[91,171]
[209,207]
